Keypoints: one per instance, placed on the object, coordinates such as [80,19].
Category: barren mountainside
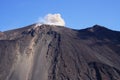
[49,52]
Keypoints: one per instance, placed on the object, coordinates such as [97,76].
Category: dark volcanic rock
[57,53]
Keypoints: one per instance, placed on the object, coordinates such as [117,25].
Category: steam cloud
[52,19]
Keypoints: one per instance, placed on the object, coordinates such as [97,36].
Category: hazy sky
[77,14]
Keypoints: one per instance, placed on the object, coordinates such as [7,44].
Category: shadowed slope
[57,53]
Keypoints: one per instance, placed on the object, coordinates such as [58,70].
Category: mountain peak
[49,52]
[97,28]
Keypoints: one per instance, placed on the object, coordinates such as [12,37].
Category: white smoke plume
[52,19]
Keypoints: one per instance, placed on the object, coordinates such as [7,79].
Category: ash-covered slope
[57,53]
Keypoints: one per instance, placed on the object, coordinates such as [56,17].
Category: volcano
[49,52]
